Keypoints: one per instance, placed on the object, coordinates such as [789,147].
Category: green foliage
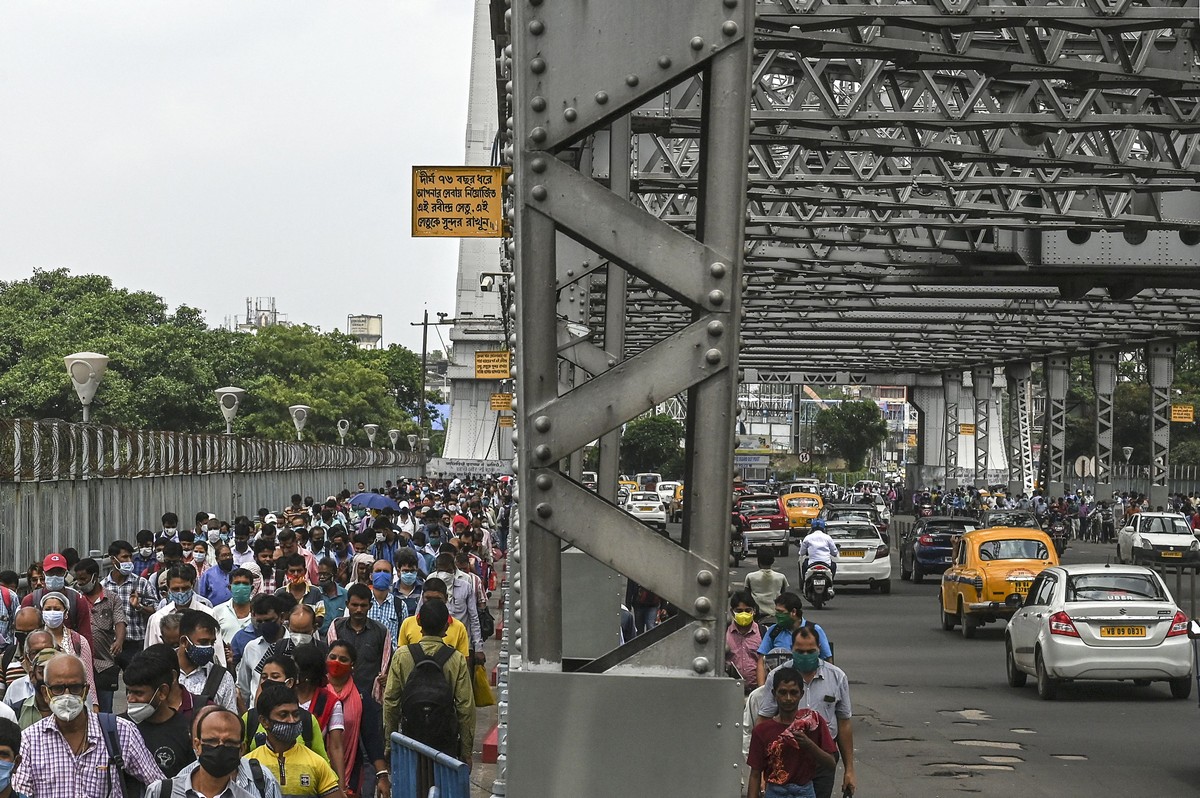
[651,443]
[163,367]
[851,430]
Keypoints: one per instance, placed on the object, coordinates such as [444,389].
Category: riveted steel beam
[1160,372]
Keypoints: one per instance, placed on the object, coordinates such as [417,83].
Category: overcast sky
[210,151]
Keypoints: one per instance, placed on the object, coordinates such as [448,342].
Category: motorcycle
[925,511]
[737,546]
[818,584]
[1057,529]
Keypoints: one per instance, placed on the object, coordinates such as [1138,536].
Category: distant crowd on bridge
[260,656]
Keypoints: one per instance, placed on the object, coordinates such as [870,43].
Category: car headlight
[1138,543]
[1195,545]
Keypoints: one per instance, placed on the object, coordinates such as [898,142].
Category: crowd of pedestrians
[260,657]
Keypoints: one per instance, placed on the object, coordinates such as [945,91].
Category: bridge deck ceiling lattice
[923,179]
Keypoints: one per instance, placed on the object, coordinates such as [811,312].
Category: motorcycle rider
[818,547]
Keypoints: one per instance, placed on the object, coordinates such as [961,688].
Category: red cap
[53,561]
[458,519]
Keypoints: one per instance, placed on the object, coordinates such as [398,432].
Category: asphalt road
[934,715]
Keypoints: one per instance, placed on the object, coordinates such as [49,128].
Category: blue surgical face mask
[381,580]
[6,769]
[125,567]
[180,599]
[408,577]
[55,583]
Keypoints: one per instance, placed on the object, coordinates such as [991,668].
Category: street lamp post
[230,399]
[299,417]
[86,370]
[394,437]
[412,443]
[372,430]
[343,428]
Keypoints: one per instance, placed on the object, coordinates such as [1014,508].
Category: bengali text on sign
[966,429]
[492,365]
[506,421]
[457,201]
[1184,414]
[501,401]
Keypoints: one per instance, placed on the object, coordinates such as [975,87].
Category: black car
[925,548]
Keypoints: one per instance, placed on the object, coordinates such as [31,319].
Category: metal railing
[51,450]
[419,771]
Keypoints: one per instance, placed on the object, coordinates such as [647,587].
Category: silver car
[1099,622]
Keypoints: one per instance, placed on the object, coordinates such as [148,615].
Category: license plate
[1122,631]
[854,553]
[1172,554]
[645,509]
[818,581]
[760,525]
[1022,587]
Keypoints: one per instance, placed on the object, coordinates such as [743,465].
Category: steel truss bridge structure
[897,193]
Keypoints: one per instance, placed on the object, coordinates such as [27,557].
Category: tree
[851,430]
[651,443]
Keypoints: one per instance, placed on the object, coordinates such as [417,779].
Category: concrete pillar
[1020,448]
[1104,380]
[981,387]
[1160,372]
[952,388]
[1054,426]
[927,464]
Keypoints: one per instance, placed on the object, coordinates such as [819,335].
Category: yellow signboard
[912,440]
[506,421]
[501,401]
[1183,413]
[457,201]
[966,429]
[492,365]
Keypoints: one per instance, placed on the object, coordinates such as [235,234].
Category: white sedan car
[1099,622]
[863,557]
[1165,538]
[647,507]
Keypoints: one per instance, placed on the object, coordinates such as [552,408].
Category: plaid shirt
[50,769]
[135,622]
[389,614]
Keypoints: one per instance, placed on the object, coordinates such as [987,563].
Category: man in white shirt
[181,583]
[818,547]
[198,673]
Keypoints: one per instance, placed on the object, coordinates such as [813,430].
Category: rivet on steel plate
[542,452]
[713,356]
[601,97]
[716,328]
[515,438]
[538,165]
[702,605]
[730,28]
[570,114]
[537,66]
[545,510]
[631,80]
[704,577]
[700,665]
[697,43]
[701,636]
[542,423]
[539,193]
[718,270]
[664,62]
[716,297]
[544,482]
[538,104]
[538,134]
[537,28]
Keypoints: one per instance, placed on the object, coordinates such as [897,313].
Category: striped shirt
[135,621]
[50,769]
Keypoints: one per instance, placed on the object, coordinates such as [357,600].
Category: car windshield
[1012,519]
[1166,526]
[852,532]
[1013,549]
[758,506]
[1114,587]
[948,527]
[802,501]
[644,497]
[843,514]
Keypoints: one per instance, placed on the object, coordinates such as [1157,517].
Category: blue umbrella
[375,501]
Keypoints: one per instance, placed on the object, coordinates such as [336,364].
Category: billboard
[457,201]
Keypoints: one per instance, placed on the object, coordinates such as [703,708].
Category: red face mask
[338,669]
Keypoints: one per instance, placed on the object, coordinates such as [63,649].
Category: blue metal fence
[419,771]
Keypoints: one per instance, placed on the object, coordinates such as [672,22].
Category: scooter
[818,584]
[737,546]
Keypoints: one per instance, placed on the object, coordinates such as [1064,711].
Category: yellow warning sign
[457,201]
[1183,413]
[966,429]
[492,365]
[912,440]
[501,401]
[506,421]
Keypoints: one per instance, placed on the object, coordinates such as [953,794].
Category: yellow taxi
[990,576]
[801,509]
[675,506]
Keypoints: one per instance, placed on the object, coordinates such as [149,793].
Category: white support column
[952,389]
[981,386]
[1160,372]
[1104,378]
[1020,447]
[1055,424]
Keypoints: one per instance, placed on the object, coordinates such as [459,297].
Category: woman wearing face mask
[281,669]
[359,711]
[322,704]
[68,641]
[199,557]
[284,753]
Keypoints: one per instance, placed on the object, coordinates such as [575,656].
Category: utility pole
[425,324]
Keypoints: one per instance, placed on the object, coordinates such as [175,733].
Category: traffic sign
[805,457]
[1085,466]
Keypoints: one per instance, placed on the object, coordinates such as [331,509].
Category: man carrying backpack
[429,694]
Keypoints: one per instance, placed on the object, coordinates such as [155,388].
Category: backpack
[427,711]
[211,685]
[162,789]
[487,622]
[254,740]
[131,786]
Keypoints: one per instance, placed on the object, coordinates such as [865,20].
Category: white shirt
[18,693]
[230,623]
[240,559]
[154,626]
[818,546]
[248,675]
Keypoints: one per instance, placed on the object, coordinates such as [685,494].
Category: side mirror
[887,539]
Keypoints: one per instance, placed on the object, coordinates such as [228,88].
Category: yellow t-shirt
[456,634]
[300,771]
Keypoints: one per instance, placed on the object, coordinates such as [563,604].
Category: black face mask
[220,760]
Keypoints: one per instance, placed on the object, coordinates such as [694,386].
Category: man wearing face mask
[268,628]
[385,609]
[162,720]
[302,629]
[214,584]
[65,755]
[298,586]
[143,555]
[296,766]
[219,769]
[827,691]
[79,611]
[242,552]
[10,757]
[234,615]
[12,664]
[333,595]
[23,698]
[369,638]
[135,595]
[108,629]
[181,595]
[199,674]
[288,545]
[461,599]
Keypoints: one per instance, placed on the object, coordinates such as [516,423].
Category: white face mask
[199,556]
[300,638]
[66,707]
